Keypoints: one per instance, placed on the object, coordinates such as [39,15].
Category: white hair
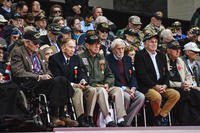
[167,34]
[116,42]
[101,19]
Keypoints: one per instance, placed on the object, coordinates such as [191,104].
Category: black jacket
[145,72]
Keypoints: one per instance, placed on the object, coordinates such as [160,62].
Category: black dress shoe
[161,121]
[82,121]
[111,124]
[90,121]
[122,124]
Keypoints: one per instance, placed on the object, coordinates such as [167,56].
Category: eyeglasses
[58,11]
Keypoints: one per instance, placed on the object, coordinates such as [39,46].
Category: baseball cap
[91,37]
[176,24]
[158,15]
[134,20]
[16,16]
[195,30]
[3,44]
[149,35]
[33,36]
[2,19]
[65,29]
[54,28]
[103,27]
[191,46]
[173,45]
[40,16]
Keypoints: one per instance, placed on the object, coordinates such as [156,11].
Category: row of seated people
[96,77]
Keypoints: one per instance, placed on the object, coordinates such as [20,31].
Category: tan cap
[134,20]
[158,15]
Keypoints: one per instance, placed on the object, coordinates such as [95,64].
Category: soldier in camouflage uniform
[155,25]
[101,77]
[134,23]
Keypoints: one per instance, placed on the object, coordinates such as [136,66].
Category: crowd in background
[80,56]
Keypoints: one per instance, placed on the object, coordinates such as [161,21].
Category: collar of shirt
[7,9]
[152,54]
[66,59]
[116,57]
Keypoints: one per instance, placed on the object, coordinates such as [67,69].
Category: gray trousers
[133,106]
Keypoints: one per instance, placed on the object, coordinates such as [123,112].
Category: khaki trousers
[90,94]
[172,96]
[118,98]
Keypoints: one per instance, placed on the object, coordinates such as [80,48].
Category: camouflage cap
[158,15]
[195,30]
[40,16]
[103,27]
[54,28]
[91,37]
[134,20]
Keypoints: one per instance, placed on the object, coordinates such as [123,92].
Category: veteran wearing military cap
[101,77]
[32,75]
[41,23]
[51,37]
[152,76]
[155,25]
[193,35]
[177,30]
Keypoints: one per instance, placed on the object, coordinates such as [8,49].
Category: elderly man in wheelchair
[32,75]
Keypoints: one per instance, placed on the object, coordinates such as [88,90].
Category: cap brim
[91,42]
[4,21]
[156,36]
[37,41]
[174,47]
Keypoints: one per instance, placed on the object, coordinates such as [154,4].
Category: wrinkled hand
[160,88]
[81,86]
[131,92]
[44,77]
[186,86]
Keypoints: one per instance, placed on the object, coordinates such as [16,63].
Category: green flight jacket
[97,68]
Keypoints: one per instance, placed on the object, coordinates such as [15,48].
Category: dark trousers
[58,91]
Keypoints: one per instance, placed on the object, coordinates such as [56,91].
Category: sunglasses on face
[58,11]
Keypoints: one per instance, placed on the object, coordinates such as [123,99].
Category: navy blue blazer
[145,72]
[128,69]
[74,71]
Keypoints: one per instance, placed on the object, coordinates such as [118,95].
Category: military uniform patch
[85,61]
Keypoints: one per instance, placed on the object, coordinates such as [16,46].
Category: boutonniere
[130,72]
[179,68]
[102,66]
[75,72]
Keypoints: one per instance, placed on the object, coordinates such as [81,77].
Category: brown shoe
[57,122]
[69,122]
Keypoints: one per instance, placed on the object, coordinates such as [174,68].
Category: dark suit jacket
[145,72]
[59,67]
[128,68]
